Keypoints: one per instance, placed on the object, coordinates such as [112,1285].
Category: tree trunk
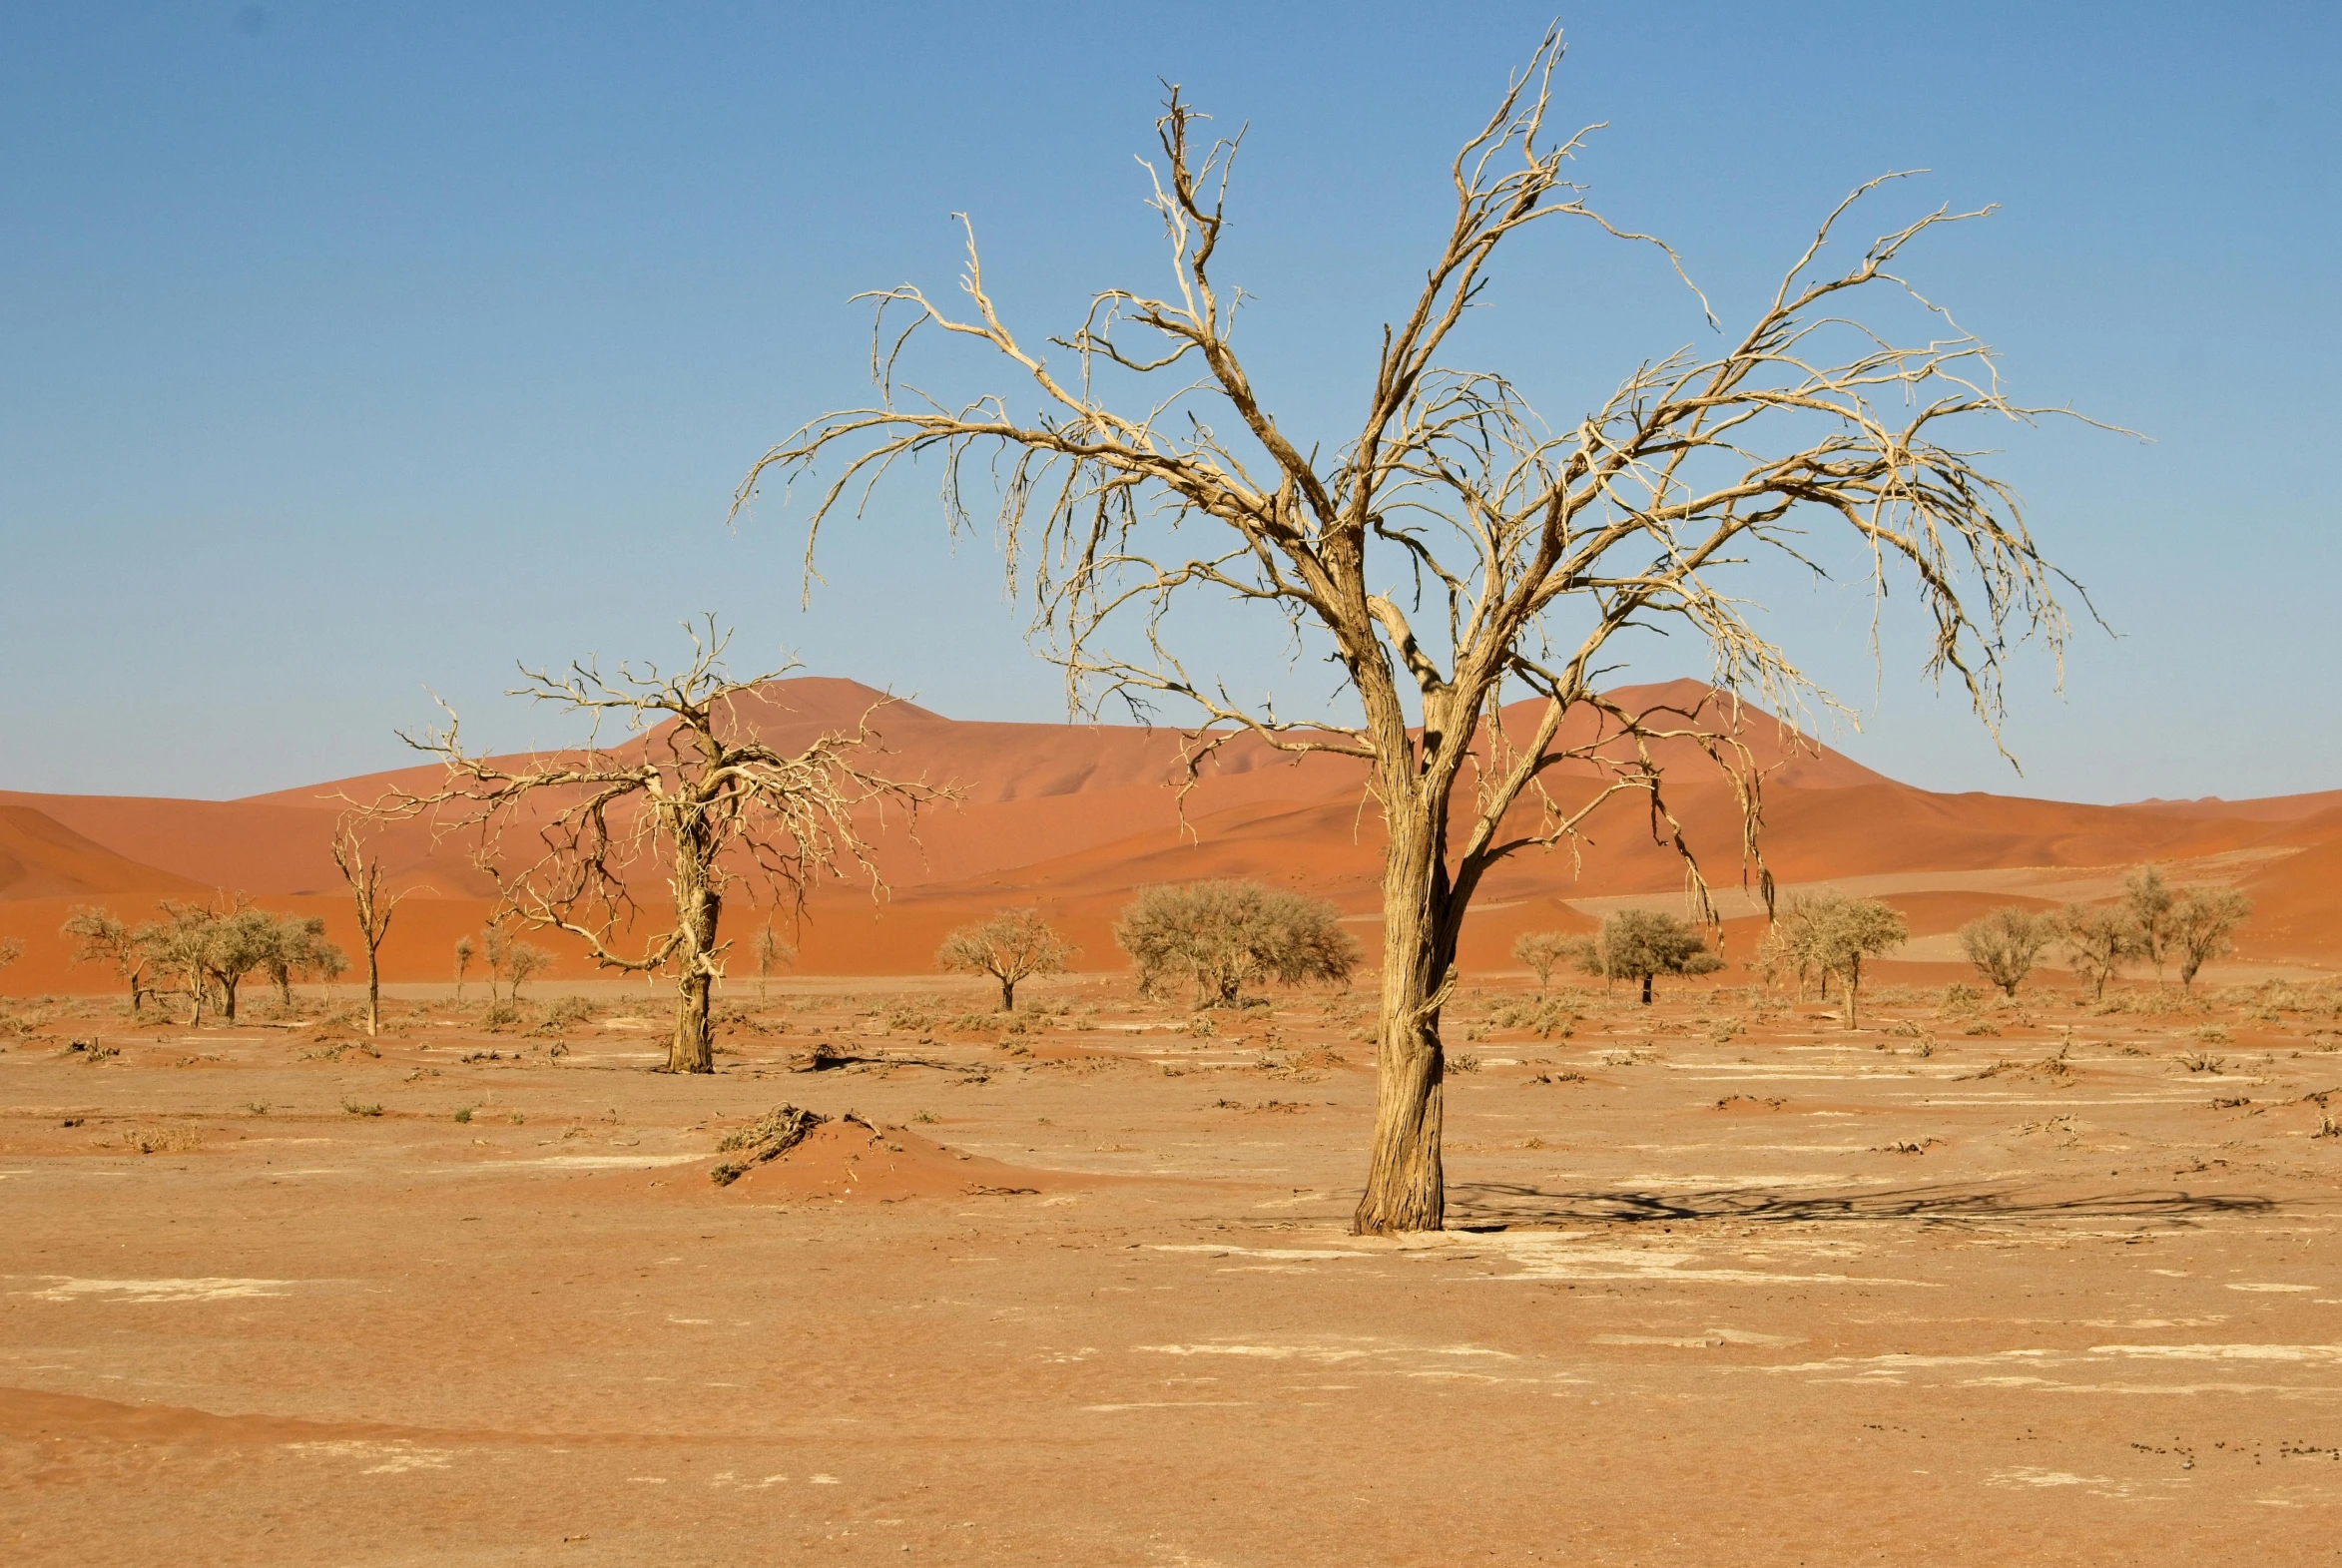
[1854,993]
[698,907]
[1007,994]
[228,999]
[1405,1188]
[374,993]
[1646,990]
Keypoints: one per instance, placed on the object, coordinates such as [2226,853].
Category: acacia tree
[1640,944]
[99,937]
[2152,905]
[1849,931]
[363,873]
[1539,951]
[2204,928]
[463,952]
[2098,942]
[297,946]
[1012,945]
[1455,549]
[694,793]
[770,953]
[2005,943]
[1224,934]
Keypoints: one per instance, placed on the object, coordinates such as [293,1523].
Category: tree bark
[1007,994]
[374,992]
[1854,993]
[1646,990]
[697,909]
[1405,1188]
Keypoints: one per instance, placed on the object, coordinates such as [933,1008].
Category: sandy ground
[1724,1283]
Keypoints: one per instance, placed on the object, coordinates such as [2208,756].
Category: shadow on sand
[1955,1204]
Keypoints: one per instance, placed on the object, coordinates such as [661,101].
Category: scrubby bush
[1221,936]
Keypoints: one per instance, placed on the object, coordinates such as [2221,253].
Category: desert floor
[1725,1282]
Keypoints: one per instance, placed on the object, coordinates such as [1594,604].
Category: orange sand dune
[1073,817]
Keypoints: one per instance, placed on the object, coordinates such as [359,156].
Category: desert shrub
[1221,936]
[1542,1019]
[1463,1062]
[356,1108]
[499,1015]
[904,1018]
[161,1140]
[2006,943]
[566,1012]
[1956,999]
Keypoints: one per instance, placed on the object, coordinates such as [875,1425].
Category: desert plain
[2047,1278]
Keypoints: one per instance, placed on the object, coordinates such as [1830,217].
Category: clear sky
[347,351]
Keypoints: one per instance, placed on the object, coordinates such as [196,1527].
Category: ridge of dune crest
[1072,815]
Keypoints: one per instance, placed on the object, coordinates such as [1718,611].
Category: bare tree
[770,953]
[1539,951]
[2151,904]
[2097,941]
[1224,936]
[2204,928]
[1455,547]
[363,873]
[11,950]
[1013,945]
[98,938]
[699,790]
[464,955]
[2006,943]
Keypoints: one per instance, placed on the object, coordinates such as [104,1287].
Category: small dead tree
[770,953]
[1539,951]
[694,793]
[2204,928]
[11,950]
[98,938]
[363,873]
[2006,943]
[1013,945]
[463,956]
[1455,548]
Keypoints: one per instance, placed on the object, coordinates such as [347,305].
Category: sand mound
[848,1159]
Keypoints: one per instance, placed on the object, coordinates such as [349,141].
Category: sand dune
[1073,816]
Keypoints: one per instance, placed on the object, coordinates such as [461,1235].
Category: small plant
[256,1107]
[1542,1019]
[161,1139]
[1463,1062]
[925,1118]
[2212,1034]
[355,1108]
[2202,1062]
[518,1119]
[463,1113]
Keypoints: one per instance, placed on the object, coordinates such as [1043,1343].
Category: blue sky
[357,350]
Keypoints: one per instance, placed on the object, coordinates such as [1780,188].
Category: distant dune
[1074,816]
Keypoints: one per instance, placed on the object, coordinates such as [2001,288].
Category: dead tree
[1455,550]
[693,792]
[363,873]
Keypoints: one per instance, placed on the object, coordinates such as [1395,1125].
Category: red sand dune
[1073,816]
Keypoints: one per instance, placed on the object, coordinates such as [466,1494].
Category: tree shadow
[1490,1203]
